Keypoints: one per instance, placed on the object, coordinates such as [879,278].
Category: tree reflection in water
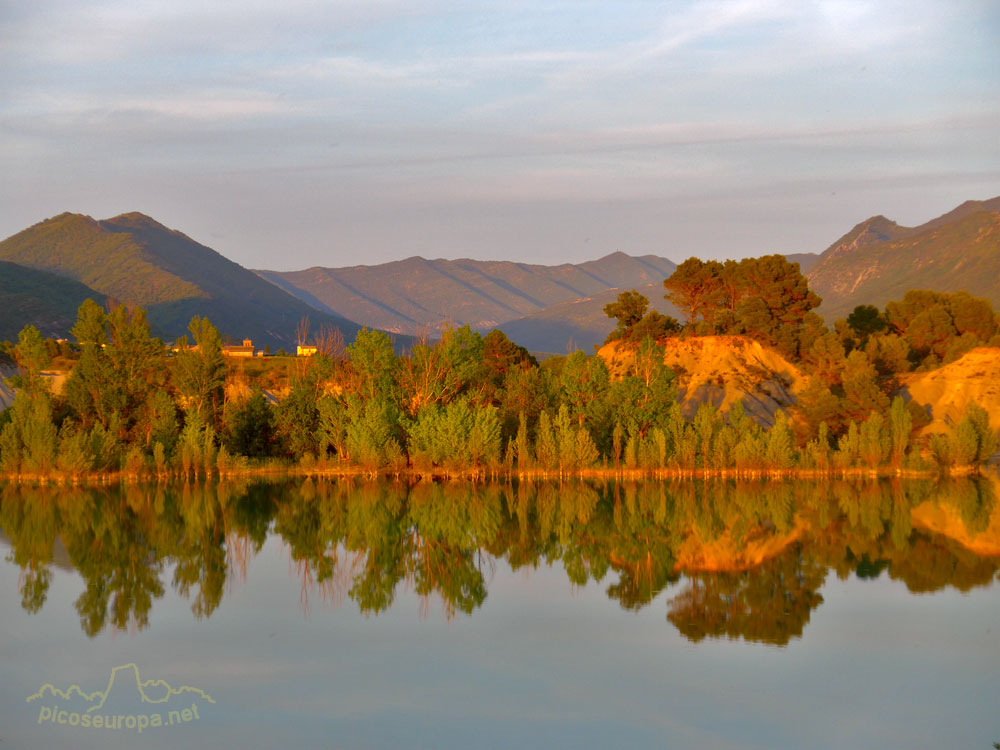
[743,559]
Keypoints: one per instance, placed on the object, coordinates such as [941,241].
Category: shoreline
[347,471]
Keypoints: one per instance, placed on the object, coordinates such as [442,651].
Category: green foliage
[440,373]
[476,396]
[32,357]
[780,453]
[874,441]
[969,443]
[454,436]
[939,327]
[634,323]
[296,422]
[251,430]
[628,310]
[112,382]
[197,449]
[766,298]
[75,456]
[862,394]
[28,442]
[866,320]
[522,444]
[370,435]
[900,428]
[373,366]
[200,372]
[546,447]
[643,398]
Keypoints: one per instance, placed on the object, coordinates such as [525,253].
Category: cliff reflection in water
[736,559]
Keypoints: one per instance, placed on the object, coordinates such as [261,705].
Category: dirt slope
[722,370]
[944,392]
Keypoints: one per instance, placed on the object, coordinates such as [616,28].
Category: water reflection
[736,559]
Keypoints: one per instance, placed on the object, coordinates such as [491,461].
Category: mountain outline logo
[103,694]
[87,710]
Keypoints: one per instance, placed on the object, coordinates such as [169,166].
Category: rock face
[946,391]
[722,370]
[6,393]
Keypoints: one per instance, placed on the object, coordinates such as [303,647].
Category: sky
[293,133]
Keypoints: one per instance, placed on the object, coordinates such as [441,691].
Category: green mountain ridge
[879,260]
[134,259]
[39,298]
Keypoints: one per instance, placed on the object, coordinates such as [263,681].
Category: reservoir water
[331,614]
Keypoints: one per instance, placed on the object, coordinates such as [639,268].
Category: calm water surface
[326,614]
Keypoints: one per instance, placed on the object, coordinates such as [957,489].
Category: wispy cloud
[402,106]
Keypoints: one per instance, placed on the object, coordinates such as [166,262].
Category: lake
[686,614]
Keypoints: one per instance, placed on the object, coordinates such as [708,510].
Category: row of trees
[463,403]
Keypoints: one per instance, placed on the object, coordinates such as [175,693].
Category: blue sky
[297,133]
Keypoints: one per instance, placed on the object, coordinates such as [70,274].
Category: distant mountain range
[418,296]
[579,323]
[879,260]
[135,260]
[49,268]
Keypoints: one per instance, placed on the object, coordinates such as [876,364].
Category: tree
[696,288]
[900,426]
[643,398]
[583,388]
[373,366]
[866,320]
[119,367]
[628,310]
[437,374]
[827,358]
[862,394]
[200,373]
[32,357]
[252,430]
[778,301]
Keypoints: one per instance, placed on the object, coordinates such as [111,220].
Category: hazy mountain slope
[40,298]
[136,260]
[579,323]
[879,260]
[582,324]
[805,260]
[417,295]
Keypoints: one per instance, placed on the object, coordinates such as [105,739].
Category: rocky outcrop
[945,392]
[722,370]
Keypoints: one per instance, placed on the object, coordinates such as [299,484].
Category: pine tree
[900,425]
[546,448]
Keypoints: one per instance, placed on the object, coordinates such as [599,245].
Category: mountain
[43,299]
[135,260]
[579,323]
[417,295]
[879,260]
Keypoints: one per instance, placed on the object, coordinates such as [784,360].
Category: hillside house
[245,350]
